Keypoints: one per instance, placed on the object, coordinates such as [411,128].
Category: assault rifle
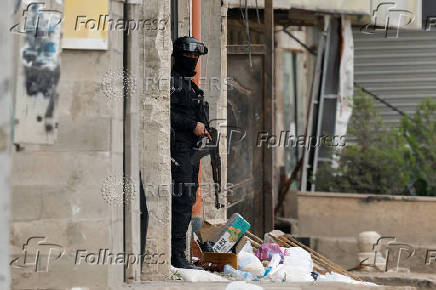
[210,147]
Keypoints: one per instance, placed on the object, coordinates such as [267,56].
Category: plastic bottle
[239,274]
[272,267]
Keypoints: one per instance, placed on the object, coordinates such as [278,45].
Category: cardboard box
[220,259]
[230,234]
[210,230]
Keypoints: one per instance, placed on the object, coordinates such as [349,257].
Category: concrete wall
[6,82]
[57,201]
[334,221]
[409,219]
[56,189]
[344,251]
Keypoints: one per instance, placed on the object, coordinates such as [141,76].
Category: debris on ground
[242,285]
[230,250]
[195,275]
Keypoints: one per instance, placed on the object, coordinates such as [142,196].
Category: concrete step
[417,280]
[176,285]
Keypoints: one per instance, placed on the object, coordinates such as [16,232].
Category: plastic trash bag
[267,250]
[248,262]
[287,273]
[297,267]
[229,270]
[333,276]
[299,257]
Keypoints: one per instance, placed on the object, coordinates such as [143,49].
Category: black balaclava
[185,65]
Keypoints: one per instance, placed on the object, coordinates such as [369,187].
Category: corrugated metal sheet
[400,70]
[337,6]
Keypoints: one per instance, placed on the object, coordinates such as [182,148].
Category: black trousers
[185,184]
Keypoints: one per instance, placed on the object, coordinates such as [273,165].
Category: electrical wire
[392,107]
[247,28]
[356,85]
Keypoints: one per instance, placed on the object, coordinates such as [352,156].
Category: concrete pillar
[213,82]
[5,111]
[155,162]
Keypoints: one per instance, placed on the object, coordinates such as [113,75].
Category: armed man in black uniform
[187,129]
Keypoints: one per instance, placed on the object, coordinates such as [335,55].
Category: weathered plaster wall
[56,189]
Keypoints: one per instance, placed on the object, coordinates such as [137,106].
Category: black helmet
[190,45]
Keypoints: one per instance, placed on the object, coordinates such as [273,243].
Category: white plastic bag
[287,273]
[285,251]
[297,266]
[299,257]
[333,276]
[248,262]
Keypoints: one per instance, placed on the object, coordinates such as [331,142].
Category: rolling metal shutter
[400,70]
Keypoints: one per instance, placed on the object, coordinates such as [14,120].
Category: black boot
[179,261]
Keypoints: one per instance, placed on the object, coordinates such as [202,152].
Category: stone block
[84,135]
[342,251]
[66,169]
[78,275]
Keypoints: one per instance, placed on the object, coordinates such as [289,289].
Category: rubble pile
[232,251]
